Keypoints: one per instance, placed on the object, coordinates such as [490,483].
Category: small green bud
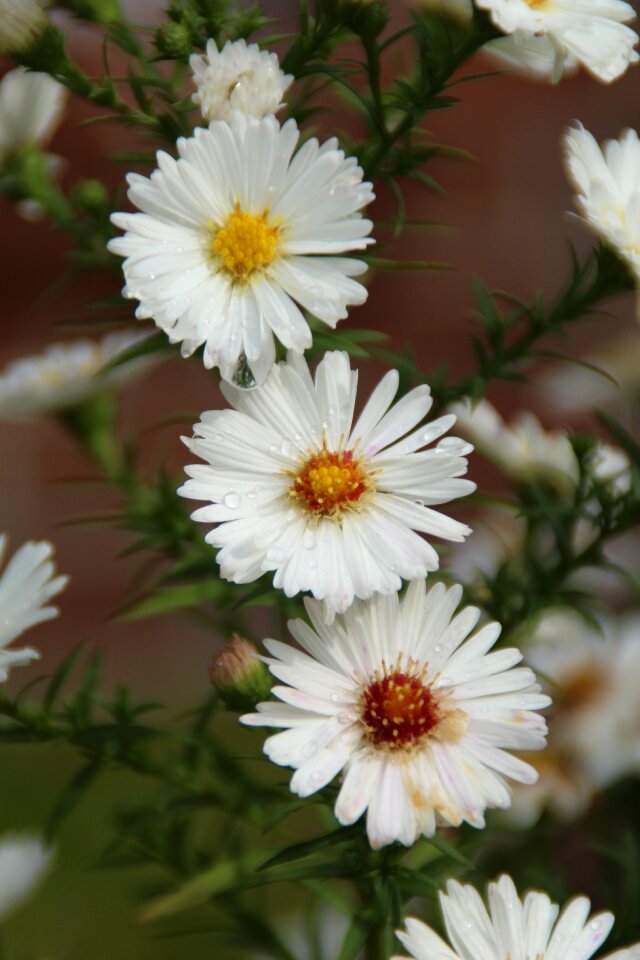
[46,52]
[91,195]
[173,41]
[98,11]
[240,679]
[367,18]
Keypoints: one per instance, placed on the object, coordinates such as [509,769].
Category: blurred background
[505,219]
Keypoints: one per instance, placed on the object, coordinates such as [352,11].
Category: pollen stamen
[245,243]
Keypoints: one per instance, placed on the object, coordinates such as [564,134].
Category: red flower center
[398,710]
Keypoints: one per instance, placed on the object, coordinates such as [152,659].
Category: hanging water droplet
[232,500]
[242,376]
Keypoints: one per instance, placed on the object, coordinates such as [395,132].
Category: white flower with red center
[607,181]
[416,713]
[594,727]
[27,584]
[330,506]
[24,861]
[532,928]
[31,106]
[238,77]
[592,33]
[237,232]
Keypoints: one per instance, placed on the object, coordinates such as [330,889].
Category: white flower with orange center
[238,77]
[607,181]
[591,33]
[594,727]
[27,584]
[531,928]
[414,712]
[330,506]
[237,232]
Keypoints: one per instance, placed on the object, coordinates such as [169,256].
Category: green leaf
[299,850]
[170,599]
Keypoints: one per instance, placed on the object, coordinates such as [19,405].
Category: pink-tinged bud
[240,679]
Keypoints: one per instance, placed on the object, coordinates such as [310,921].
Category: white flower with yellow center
[512,929]
[329,506]
[27,584]
[24,862]
[31,105]
[607,181]
[532,55]
[592,33]
[21,23]
[64,375]
[238,77]
[594,727]
[237,232]
[419,718]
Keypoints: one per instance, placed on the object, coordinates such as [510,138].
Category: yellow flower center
[329,483]
[244,243]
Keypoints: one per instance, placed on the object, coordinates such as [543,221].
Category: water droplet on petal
[242,376]
[309,540]
[345,719]
[232,500]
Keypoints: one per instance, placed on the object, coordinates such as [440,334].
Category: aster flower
[31,105]
[418,717]
[24,861]
[238,77]
[21,23]
[328,505]
[527,929]
[594,727]
[238,231]
[526,451]
[27,584]
[607,181]
[64,375]
[591,33]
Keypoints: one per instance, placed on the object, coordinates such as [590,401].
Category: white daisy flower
[27,584]
[523,449]
[21,23]
[24,861]
[514,928]
[238,77]
[607,181]
[591,33]
[328,505]
[235,231]
[64,375]
[31,106]
[419,720]
[594,728]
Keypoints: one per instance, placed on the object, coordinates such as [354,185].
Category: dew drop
[345,719]
[242,376]
[276,554]
[309,540]
[232,500]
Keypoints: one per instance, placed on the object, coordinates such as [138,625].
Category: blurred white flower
[27,584]
[237,232]
[316,937]
[588,32]
[497,534]
[21,23]
[594,724]
[515,928]
[526,451]
[24,861]
[238,77]
[31,106]
[64,375]
[402,698]
[607,181]
[328,502]
[572,388]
